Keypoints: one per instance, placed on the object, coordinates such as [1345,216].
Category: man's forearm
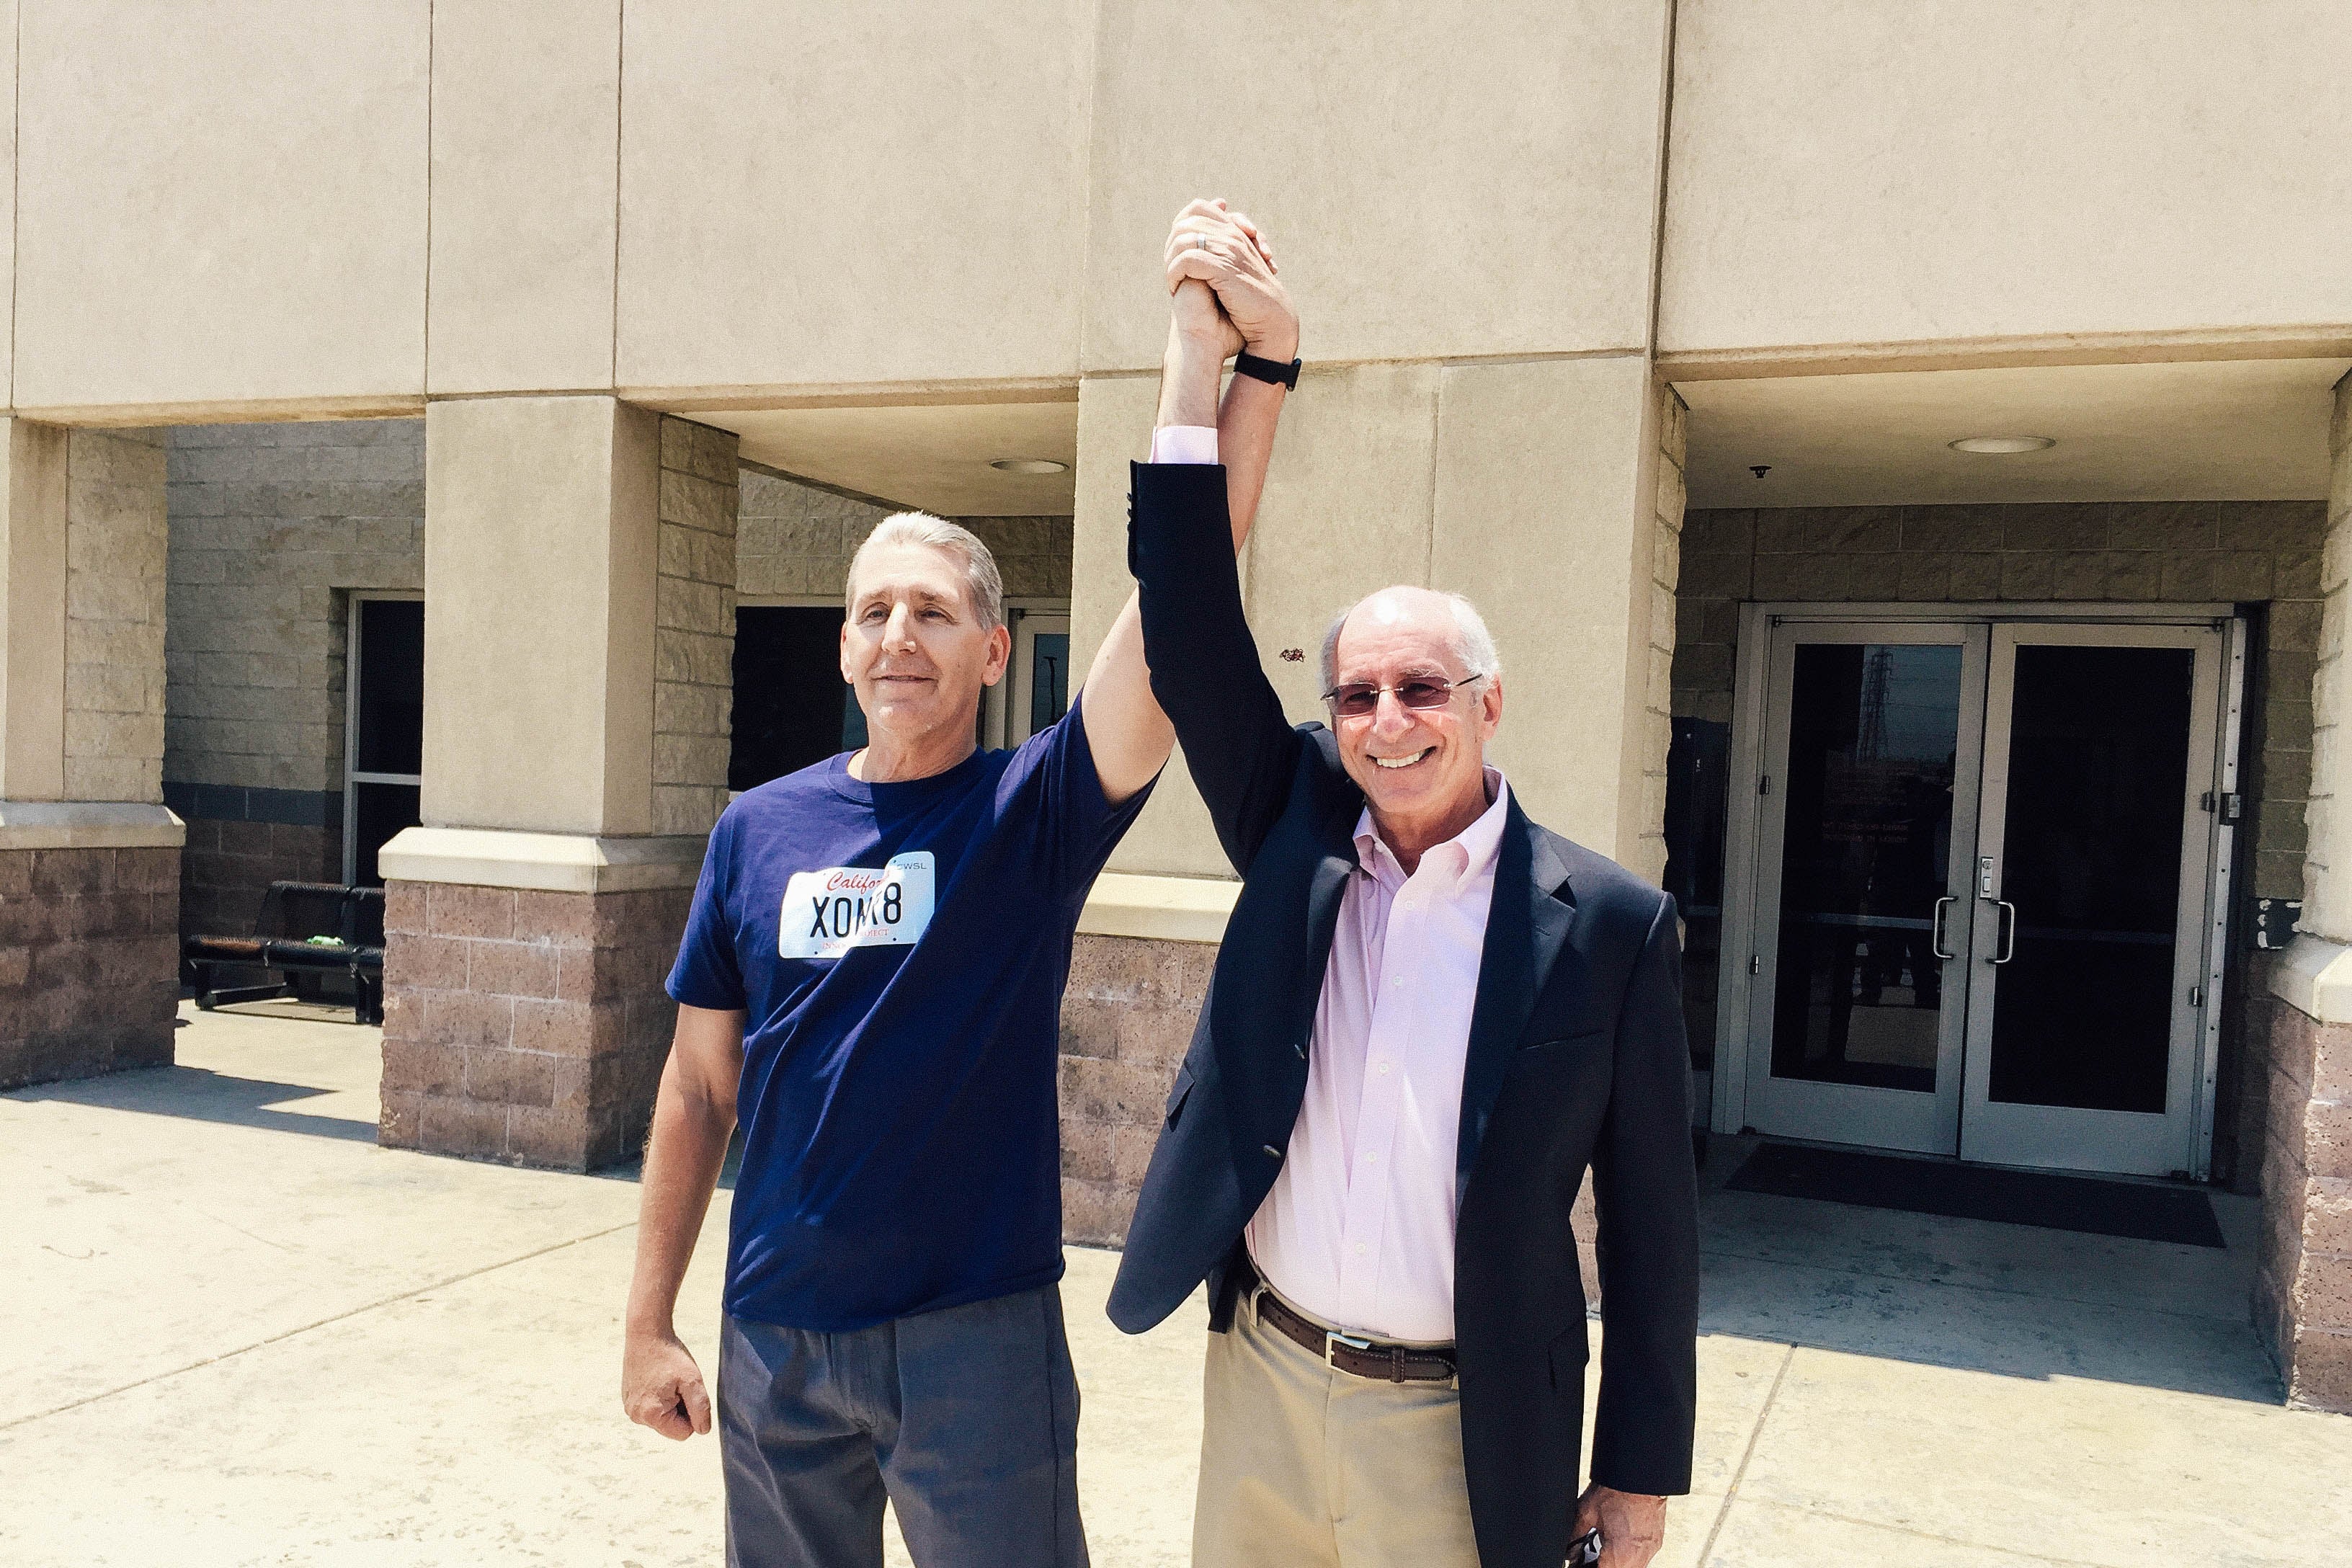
[683,1158]
[1245,422]
[1245,426]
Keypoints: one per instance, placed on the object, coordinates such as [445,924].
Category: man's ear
[1490,703]
[1000,655]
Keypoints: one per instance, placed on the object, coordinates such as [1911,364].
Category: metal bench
[304,928]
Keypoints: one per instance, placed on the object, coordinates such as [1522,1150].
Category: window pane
[792,708]
[1865,856]
[2098,775]
[390,687]
[1049,678]
[380,811]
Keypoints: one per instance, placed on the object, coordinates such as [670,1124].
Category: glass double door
[1983,863]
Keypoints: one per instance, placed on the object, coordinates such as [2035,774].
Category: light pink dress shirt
[1358,1229]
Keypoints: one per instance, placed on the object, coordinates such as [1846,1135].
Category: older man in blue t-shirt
[870,982]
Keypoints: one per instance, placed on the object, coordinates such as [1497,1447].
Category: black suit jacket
[1576,1057]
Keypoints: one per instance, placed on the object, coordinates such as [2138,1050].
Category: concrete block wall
[87,961]
[1127,1020]
[797,539]
[116,547]
[694,639]
[271,527]
[2265,553]
[528,1028]
[2303,1290]
[1665,570]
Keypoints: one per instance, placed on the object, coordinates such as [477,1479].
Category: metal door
[2088,909]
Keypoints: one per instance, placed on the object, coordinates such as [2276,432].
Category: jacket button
[1273,1150]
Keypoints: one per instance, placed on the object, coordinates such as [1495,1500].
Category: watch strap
[1266,370]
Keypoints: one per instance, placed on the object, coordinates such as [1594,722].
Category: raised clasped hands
[1224,286]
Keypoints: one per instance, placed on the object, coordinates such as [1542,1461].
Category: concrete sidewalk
[236,1331]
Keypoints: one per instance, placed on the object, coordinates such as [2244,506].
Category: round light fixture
[1029,466]
[2004,444]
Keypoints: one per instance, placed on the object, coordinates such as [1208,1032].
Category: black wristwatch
[1271,371]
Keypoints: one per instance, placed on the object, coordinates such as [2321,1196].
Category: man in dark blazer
[1429,1017]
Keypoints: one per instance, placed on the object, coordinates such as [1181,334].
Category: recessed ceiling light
[2004,444]
[1029,466]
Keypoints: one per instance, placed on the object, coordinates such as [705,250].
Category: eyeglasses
[1360,699]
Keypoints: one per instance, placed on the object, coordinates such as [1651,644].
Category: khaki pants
[1303,1466]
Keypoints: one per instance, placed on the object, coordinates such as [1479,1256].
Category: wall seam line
[620,69]
[425,370]
[16,186]
[1658,206]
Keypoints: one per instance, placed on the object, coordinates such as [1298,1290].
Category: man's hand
[661,1387]
[1633,1527]
[1229,253]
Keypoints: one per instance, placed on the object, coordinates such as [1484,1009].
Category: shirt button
[1359,1249]
[1383,1069]
[1371,1158]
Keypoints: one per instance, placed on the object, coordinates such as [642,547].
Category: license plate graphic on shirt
[828,912]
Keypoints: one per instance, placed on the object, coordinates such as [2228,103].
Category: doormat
[2084,1204]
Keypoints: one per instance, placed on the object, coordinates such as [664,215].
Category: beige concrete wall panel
[1543,517]
[1843,172]
[526,148]
[539,564]
[1173,836]
[220,215]
[1346,512]
[815,194]
[8,190]
[1436,182]
[32,613]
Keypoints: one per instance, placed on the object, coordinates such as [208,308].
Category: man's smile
[1402,761]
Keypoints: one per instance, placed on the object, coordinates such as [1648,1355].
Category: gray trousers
[966,1419]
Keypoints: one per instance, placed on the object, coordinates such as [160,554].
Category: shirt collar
[1467,855]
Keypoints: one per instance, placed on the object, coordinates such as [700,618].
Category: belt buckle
[1332,1338]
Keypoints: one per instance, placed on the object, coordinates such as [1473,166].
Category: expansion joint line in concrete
[321,1323]
[1731,1492]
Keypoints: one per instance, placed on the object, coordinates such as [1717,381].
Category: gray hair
[983,586]
[1473,643]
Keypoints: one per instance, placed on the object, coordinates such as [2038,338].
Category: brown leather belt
[1352,1353]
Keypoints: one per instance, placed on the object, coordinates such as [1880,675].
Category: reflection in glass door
[1866,831]
[2094,859]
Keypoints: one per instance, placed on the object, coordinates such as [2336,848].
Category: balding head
[1455,617]
[1420,762]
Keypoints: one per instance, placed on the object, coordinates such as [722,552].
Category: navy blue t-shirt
[900,952]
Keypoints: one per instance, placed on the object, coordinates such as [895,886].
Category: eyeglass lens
[1357,700]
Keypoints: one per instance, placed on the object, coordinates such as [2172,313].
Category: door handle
[1936,936]
[2006,922]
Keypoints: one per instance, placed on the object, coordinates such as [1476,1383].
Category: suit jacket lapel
[1527,925]
[1324,891]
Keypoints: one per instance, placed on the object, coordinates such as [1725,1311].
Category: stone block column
[90,859]
[579,592]
[2303,1294]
